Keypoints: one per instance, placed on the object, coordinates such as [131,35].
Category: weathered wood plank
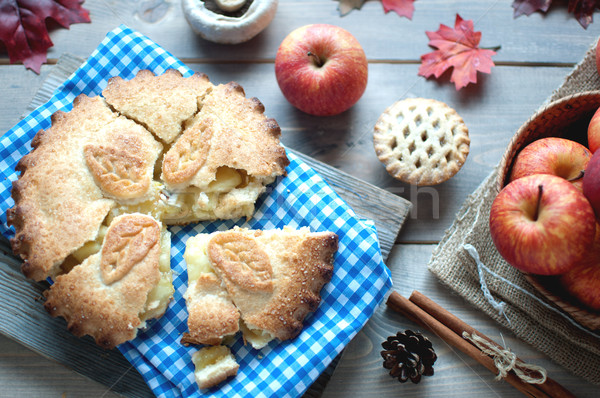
[25,320]
[533,39]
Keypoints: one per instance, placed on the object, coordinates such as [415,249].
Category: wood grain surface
[537,53]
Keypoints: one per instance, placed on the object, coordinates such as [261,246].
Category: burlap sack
[467,261]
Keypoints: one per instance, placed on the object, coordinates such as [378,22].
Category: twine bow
[505,360]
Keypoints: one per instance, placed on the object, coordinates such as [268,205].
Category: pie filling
[213,365]
[231,194]
[160,296]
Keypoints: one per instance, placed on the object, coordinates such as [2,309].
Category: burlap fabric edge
[467,262]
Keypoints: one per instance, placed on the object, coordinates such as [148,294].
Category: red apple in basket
[583,281]
[591,183]
[594,132]
[552,155]
[321,69]
[542,224]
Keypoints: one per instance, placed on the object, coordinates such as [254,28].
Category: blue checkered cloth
[282,369]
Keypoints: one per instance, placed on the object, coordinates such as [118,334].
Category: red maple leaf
[457,48]
[23,27]
[404,8]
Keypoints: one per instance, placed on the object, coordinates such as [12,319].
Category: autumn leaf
[23,27]
[404,8]
[457,48]
[346,6]
[583,10]
[528,7]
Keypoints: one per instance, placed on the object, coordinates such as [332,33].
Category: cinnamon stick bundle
[425,312]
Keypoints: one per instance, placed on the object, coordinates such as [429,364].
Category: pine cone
[408,355]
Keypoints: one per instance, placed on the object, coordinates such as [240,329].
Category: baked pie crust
[165,148]
[272,277]
[111,294]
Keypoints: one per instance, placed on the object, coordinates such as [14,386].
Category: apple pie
[262,282]
[421,141]
[174,150]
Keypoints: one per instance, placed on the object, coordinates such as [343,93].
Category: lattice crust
[421,141]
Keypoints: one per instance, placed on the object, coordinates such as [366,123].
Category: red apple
[542,224]
[321,69]
[591,183]
[583,281]
[593,132]
[552,155]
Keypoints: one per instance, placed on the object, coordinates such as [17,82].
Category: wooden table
[537,53]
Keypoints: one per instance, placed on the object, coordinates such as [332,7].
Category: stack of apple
[545,221]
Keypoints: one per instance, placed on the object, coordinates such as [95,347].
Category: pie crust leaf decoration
[117,172]
[242,261]
[127,244]
[273,277]
[188,154]
[113,313]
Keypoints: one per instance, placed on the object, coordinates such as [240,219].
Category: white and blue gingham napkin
[282,369]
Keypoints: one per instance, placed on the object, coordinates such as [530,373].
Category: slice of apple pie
[272,277]
[114,291]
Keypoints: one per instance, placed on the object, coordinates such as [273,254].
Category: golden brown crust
[211,313]
[301,263]
[109,311]
[48,229]
[117,173]
[188,155]
[230,131]
[126,244]
[103,159]
[241,261]
[63,195]
[161,103]
[249,140]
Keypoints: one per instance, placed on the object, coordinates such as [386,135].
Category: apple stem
[581,173]
[316,59]
[539,201]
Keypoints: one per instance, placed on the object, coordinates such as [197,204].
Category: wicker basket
[567,118]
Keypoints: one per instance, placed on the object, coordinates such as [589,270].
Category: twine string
[505,360]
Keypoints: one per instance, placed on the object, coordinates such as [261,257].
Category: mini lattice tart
[421,141]
[263,283]
[175,149]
